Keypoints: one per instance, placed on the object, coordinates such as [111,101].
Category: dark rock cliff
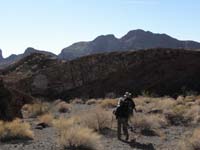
[11,101]
[159,71]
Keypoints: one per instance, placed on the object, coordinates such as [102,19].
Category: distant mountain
[133,40]
[4,62]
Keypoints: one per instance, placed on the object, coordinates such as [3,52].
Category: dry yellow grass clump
[191,143]
[63,123]
[91,102]
[64,107]
[73,135]
[193,114]
[15,130]
[77,137]
[36,109]
[96,119]
[77,101]
[149,104]
[176,114]
[149,121]
[46,119]
[108,103]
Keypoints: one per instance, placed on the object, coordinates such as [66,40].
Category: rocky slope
[133,40]
[160,71]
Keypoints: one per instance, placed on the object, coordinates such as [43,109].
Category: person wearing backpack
[123,112]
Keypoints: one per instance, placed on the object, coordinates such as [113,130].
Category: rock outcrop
[159,71]
[11,101]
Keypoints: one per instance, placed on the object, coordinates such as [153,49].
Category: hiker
[123,112]
[131,104]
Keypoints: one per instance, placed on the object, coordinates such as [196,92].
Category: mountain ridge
[4,62]
[133,40]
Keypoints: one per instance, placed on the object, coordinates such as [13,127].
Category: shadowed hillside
[11,101]
[159,71]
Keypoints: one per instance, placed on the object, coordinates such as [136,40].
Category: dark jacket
[125,109]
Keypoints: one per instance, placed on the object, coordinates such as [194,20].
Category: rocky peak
[29,50]
[136,34]
[105,37]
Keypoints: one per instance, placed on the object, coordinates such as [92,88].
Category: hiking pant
[122,123]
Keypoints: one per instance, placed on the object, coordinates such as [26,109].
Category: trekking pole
[111,122]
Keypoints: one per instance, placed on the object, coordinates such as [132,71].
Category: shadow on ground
[141,146]
[107,132]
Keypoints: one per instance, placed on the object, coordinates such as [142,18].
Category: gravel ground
[46,139]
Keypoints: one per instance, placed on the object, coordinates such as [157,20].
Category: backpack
[122,110]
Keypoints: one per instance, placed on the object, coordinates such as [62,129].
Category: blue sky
[54,24]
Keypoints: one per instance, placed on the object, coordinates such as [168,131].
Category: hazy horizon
[53,25]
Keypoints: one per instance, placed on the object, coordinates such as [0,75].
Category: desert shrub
[2,129]
[97,119]
[63,123]
[190,104]
[77,101]
[57,101]
[191,143]
[195,139]
[180,99]
[15,130]
[147,104]
[150,124]
[176,115]
[197,101]
[36,109]
[108,103]
[47,119]
[160,105]
[91,102]
[193,114]
[165,103]
[77,137]
[190,98]
[151,121]
[64,107]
